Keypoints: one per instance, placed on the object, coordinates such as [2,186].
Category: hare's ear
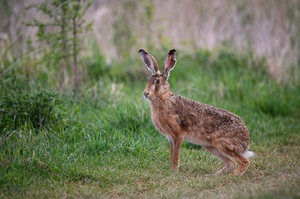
[149,61]
[170,62]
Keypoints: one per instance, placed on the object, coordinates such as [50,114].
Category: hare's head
[157,84]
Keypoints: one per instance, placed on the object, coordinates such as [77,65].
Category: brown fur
[219,131]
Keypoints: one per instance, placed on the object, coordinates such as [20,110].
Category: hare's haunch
[219,131]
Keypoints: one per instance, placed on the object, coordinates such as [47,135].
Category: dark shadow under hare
[219,131]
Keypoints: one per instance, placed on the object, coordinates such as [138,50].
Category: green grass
[108,147]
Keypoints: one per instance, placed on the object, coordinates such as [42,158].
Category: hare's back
[195,115]
[207,125]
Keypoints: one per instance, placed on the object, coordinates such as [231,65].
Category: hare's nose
[146,94]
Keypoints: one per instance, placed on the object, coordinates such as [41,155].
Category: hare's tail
[248,154]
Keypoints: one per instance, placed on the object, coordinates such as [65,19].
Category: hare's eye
[157,81]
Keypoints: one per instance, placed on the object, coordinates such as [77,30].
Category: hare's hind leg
[243,163]
[229,164]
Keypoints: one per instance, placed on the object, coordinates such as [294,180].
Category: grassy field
[100,143]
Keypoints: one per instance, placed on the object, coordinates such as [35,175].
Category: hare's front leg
[175,145]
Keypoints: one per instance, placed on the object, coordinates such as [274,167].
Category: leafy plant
[31,110]
[62,35]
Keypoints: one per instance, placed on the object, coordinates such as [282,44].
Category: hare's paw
[222,172]
[241,169]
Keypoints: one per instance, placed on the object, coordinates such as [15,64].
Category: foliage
[96,67]
[31,111]
[62,35]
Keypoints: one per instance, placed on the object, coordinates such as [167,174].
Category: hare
[219,131]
